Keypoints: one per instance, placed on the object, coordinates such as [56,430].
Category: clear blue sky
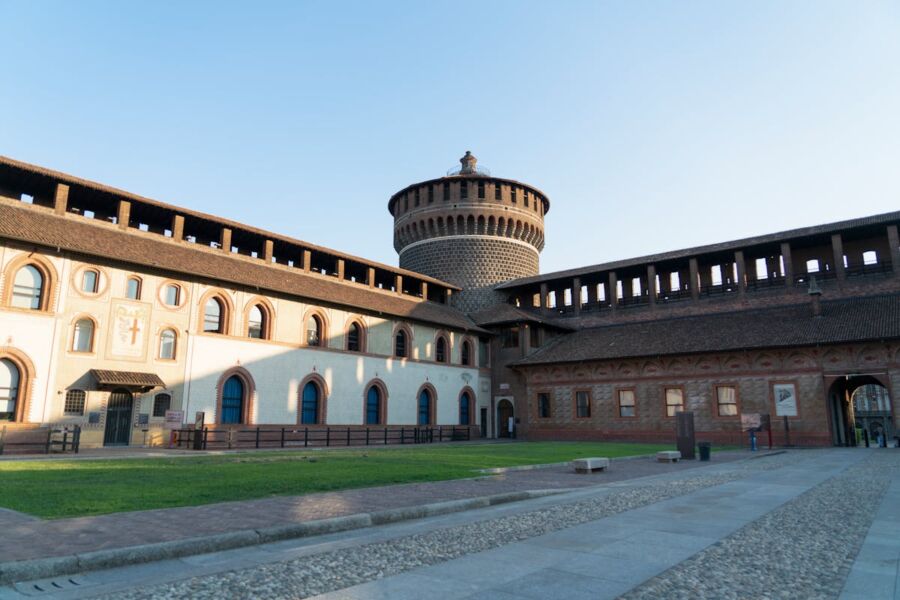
[651,125]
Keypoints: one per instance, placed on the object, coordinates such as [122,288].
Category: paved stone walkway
[790,526]
[26,537]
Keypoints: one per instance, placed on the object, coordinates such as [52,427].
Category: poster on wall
[785,399]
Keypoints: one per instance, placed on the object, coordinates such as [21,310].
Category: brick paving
[26,537]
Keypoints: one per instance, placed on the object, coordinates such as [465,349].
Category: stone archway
[860,404]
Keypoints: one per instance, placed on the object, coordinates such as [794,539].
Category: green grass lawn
[68,488]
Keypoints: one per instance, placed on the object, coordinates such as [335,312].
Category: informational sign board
[785,399]
[199,419]
[174,419]
[750,421]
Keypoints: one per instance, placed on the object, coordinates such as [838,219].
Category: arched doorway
[860,404]
[505,412]
[233,401]
[118,418]
[309,406]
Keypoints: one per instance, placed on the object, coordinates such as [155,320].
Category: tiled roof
[829,228]
[841,321]
[127,378]
[71,180]
[104,240]
[501,314]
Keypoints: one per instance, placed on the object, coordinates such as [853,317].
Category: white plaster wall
[31,334]
[278,370]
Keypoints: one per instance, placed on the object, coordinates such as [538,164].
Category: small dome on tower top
[468,163]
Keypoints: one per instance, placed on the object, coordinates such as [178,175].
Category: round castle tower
[471,230]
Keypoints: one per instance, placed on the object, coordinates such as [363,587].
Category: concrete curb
[44,568]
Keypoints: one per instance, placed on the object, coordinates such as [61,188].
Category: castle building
[117,310]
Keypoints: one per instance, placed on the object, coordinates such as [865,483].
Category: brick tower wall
[475,264]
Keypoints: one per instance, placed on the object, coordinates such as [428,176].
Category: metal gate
[118,419]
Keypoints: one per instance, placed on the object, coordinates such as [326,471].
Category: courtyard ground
[801,525]
[80,487]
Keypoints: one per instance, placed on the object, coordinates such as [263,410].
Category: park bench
[589,465]
[668,456]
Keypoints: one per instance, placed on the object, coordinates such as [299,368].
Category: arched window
[309,408]
[256,322]
[28,288]
[464,408]
[466,353]
[172,295]
[373,406]
[213,317]
[401,344]
[90,281]
[233,401]
[9,390]
[83,339]
[74,405]
[314,331]
[424,407]
[440,349]
[168,340]
[354,337]
[133,288]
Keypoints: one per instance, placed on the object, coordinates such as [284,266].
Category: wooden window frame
[575,403]
[48,284]
[140,287]
[737,400]
[94,333]
[159,355]
[537,404]
[633,391]
[268,315]
[665,401]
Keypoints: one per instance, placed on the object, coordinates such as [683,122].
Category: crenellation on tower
[470,229]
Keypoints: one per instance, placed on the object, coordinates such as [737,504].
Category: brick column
[544,294]
[225,239]
[837,249]
[425,290]
[694,279]
[576,294]
[307,260]
[894,243]
[611,292]
[398,284]
[61,199]
[741,271]
[178,228]
[123,215]
[651,284]
[268,250]
[370,276]
[788,264]
[340,268]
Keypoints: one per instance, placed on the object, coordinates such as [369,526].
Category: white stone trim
[470,237]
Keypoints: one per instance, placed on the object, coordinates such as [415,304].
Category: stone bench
[589,465]
[668,456]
